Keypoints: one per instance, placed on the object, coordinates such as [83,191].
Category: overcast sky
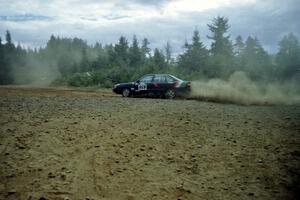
[31,22]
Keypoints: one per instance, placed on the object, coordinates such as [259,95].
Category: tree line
[66,61]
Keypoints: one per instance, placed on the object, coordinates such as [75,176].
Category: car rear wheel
[125,92]
[170,94]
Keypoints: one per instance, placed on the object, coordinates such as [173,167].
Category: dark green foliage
[238,49]
[221,43]
[168,52]
[3,66]
[120,54]
[8,39]
[135,54]
[158,61]
[72,62]
[254,59]
[239,46]
[221,51]
[145,50]
[7,60]
[195,58]
[288,57]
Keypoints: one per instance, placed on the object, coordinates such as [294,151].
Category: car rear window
[170,79]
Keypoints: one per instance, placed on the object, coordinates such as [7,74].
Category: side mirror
[138,81]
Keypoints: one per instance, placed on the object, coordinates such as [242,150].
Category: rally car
[158,84]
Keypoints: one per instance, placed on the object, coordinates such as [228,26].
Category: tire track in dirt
[85,185]
[3,147]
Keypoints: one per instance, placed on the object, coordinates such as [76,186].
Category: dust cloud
[38,75]
[240,89]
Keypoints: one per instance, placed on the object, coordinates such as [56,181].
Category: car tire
[125,92]
[170,94]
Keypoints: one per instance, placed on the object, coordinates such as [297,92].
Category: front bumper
[116,90]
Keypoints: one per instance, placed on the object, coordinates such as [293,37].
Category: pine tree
[98,48]
[101,61]
[288,57]
[121,52]
[255,60]
[168,52]
[159,60]
[84,64]
[195,57]
[8,38]
[111,54]
[135,54]
[2,65]
[145,48]
[8,58]
[221,47]
[238,46]
[221,44]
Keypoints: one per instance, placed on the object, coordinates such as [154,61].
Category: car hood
[124,84]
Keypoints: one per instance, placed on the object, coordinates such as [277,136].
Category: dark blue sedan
[165,85]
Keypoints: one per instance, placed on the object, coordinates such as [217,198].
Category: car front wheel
[125,92]
[170,94]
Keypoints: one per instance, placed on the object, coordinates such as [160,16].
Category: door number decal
[142,86]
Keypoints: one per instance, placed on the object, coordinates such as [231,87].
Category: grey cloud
[158,4]
[129,3]
[267,21]
[88,18]
[152,2]
[115,17]
[26,17]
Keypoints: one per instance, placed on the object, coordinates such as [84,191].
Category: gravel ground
[78,144]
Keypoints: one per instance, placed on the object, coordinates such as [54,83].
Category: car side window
[169,79]
[159,79]
[146,79]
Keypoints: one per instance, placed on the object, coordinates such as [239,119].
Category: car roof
[162,74]
[156,74]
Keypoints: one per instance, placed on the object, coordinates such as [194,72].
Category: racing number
[142,86]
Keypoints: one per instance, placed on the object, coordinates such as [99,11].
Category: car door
[144,84]
[159,83]
[170,82]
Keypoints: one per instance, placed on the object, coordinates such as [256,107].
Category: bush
[84,80]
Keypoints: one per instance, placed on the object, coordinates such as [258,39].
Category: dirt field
[67,144]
